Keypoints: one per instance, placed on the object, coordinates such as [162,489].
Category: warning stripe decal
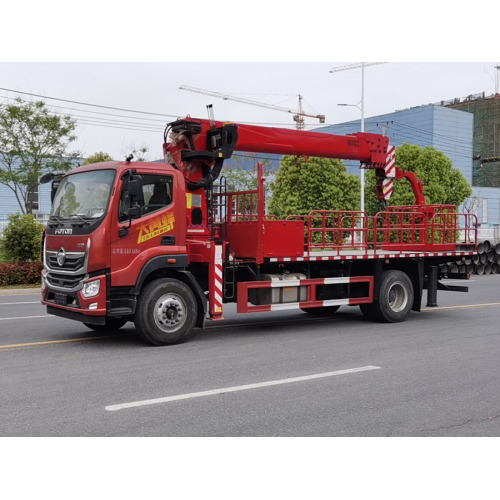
[365,256]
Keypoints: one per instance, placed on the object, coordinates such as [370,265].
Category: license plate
[61,299]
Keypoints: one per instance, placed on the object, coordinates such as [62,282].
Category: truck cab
[113,226]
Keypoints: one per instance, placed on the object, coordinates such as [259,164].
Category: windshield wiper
[53,223]
[78,224]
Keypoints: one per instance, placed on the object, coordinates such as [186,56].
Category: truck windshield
[83,195]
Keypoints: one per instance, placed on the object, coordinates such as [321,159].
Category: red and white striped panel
[243,288]
[215,286]
[390,163]
[313,258]
[387,188]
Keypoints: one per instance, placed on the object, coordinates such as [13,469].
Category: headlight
[44,283]
[91,289]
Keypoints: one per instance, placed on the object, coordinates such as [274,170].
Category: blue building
[9,204]
[445,129]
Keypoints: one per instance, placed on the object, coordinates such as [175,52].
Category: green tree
[97,158]
[139,153]
[443,184]
[22,237]
[33,142]
[239,178]
[313,184]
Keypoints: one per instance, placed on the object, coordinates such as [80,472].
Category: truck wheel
[395,298]
[166,312]
[111,324]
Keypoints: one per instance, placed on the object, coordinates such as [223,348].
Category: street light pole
[361,107]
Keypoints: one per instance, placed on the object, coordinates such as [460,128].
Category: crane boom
[198,148]
[298,114]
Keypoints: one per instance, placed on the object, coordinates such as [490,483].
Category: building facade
[444,128]
[486,152]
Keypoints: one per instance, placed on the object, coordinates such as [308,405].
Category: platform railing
[334,230]
[404,228]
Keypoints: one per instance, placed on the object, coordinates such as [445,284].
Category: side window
[156,193]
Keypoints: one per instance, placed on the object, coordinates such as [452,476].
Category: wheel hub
[397,297]
[170,313]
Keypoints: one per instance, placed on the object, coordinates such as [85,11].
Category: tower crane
[348,67]
[298,116]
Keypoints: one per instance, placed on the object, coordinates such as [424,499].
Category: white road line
[27,317]
[225,390]
[18,303]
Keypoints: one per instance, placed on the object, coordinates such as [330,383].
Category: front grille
[64,281]
[74,262]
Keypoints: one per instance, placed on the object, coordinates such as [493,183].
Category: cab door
[158,228]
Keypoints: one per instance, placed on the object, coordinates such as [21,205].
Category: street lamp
[361,106]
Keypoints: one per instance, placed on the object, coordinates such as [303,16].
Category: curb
[19,291]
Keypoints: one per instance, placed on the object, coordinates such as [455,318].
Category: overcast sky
[66,55]
[154,88]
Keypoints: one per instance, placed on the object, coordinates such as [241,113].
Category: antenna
[211,116]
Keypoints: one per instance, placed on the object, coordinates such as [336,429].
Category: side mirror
[134,212]
[134,188]
[132,197]
[56,180]
[46,178]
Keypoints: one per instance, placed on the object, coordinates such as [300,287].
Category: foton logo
[61,257]
[63,231]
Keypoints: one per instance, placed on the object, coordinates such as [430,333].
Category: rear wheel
[111,325]
[166,312]
[395,297]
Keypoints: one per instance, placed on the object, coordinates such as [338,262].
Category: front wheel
[166,312]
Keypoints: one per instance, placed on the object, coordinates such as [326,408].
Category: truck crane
[158,245]
[298,116]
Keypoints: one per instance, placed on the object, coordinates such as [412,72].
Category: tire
[111,325]
[321,311]
[166,312]
[395,298]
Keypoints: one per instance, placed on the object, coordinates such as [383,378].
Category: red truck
[164,246]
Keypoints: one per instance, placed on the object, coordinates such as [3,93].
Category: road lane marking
[27,317]
[49,342]
[466,306]
[225,390]
[18,303]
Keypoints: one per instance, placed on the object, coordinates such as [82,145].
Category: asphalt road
[277,374]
